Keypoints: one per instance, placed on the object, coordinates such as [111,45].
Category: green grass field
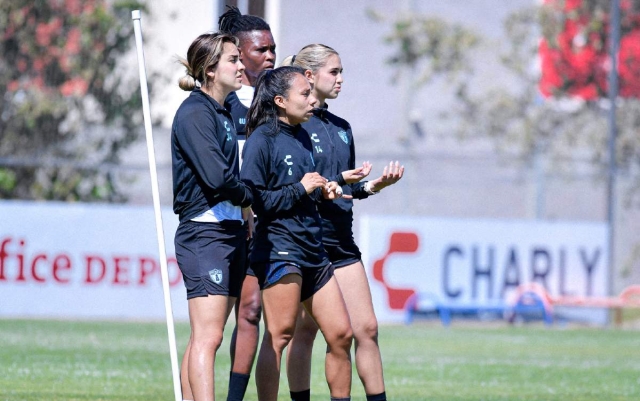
[57,360]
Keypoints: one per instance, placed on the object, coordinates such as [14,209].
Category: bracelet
[367,188]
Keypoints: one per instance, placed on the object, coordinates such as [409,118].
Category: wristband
[367,188]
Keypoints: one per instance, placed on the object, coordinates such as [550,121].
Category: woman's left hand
[391,174]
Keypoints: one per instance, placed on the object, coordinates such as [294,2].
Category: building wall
[444,176]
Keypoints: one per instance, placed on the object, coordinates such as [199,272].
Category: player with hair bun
[211,201]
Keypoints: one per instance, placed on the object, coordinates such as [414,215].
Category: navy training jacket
[204,156]
[334,152]
[289,227]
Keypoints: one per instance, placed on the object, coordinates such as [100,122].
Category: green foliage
[7,180]
[65,99]
[430,46]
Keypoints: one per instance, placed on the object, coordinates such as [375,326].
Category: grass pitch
[58,360]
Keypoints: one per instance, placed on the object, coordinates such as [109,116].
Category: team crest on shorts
[344,137]
[216,275]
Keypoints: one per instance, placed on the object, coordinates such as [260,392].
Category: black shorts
[342,251]
[313,279]
[211,257]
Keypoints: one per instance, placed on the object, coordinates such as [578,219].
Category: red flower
[13,86]
[72,47]
[629,65]
[74,87]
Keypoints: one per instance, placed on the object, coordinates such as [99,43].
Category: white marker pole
[135,16]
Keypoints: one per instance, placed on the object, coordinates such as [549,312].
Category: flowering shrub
[60,84]
[574,50]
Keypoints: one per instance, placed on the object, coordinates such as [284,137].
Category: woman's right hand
[312,181]
[357,174]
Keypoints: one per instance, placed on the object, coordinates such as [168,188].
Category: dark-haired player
[257,53]
[287,255]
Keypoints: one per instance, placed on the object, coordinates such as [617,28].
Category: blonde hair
[203,54]
[311,57]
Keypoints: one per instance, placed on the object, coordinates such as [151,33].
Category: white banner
[68,260]
[479,263]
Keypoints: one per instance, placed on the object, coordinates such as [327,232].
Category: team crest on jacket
[343,136]
[216,275]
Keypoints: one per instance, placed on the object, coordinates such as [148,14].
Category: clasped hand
[330,189]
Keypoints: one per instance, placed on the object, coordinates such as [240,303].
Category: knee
[251,310]
[281,339]
[209,342]
[341,339]
[367,332]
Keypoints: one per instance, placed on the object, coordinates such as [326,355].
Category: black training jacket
[204,156]
[289,227]
[334,152]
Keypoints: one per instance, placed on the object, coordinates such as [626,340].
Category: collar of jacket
[217,106]
[321,112]
[288,128]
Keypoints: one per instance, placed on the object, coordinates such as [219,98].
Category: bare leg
[364,325]
[299,353]
[280,303]
[246,334]
[184,374]
[330,314]
[208,316]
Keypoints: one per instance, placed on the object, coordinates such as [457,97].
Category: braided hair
[233,22]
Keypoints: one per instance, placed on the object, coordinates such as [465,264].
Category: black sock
[238,383]
[341,399]
[377,397]
[304,395]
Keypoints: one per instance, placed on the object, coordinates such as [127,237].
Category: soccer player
[211,201]
[334,153]
[257,53]
[287,255]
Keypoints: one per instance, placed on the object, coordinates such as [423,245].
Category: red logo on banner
[400,242]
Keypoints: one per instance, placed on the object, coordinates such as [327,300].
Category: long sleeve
[199,138]
[256,170]
[289,225]
[357,189]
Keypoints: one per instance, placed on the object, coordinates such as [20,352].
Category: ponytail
[271,83]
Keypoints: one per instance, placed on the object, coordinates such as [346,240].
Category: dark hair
[271,83]
[204,53]
[233,22]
